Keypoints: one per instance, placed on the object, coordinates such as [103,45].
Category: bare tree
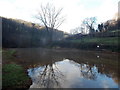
[50,16]
[90,23]
[49,77]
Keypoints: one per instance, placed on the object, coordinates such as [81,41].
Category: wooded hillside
[19,33]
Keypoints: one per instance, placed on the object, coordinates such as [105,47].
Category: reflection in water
[89,72]
[46,76]
[81,69]
[69,74]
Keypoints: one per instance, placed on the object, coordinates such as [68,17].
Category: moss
[13,76]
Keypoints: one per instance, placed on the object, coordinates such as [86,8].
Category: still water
[50,68]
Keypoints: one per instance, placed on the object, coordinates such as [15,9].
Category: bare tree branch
[89,22]
[50,16]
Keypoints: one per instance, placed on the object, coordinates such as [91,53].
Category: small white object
[98,56]
[98,46]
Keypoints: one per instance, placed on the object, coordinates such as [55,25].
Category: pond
[51,68]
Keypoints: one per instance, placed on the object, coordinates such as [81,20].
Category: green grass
[113,31]
[13,76]
[90,43]
[105,40]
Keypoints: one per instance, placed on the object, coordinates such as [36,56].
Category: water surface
[50,68]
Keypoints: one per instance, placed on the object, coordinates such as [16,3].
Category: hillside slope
[19,33]
[97,41]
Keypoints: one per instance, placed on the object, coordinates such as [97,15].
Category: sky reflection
[69,74]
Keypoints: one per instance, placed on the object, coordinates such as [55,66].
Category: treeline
[110,28]
[107,38]
[109,25]
[19,33]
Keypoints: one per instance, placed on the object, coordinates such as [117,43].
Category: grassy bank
[90,43]
[104,41]
[13,75]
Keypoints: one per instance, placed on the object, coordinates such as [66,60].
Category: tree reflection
[88,72]
[53,74]
[48,77]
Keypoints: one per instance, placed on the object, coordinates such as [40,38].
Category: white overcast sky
[74,10]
